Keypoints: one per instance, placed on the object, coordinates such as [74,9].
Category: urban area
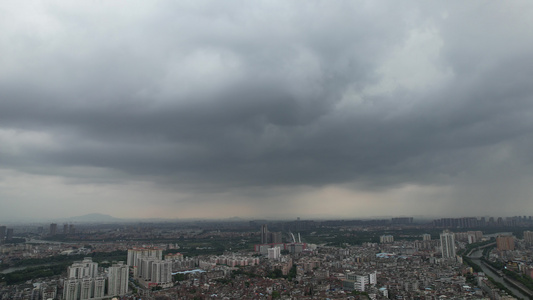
[395,258]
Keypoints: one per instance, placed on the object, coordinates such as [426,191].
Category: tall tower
[275,237]
[118,279]
[264,234]
[2,233]
[447,242]
[9,234]
[528,237]
[53,229]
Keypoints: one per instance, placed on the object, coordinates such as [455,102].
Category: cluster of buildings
[228,260]
[337,273]
[86,281]
[471,222]
[272,245]
[391,269]
[269,237]
[426,268]
[53,231]
[45,289]
[386,239]
[6,234]
[149,267]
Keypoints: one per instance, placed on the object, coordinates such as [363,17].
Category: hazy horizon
[102,218]
[209,109]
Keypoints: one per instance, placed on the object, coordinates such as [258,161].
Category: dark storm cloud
[238,95]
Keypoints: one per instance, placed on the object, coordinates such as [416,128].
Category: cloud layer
[238,104]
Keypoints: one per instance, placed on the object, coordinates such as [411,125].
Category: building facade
[118,276]
[447,242]
[505,243]
[83,281]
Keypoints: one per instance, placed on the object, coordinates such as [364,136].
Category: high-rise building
[274,253]
[447,242]
[528,237]
[71,289]
[9,234]
[82,269]
[426,237]
[118,279]
[505,242]
[144,267]
[154,270]
[86,287]
[161,272]
[264,234]
[53,229]
[65,228]
[275,237]
[477,236]
[83,281]
[135,254]
[99,287]
[2,233]
[386,239]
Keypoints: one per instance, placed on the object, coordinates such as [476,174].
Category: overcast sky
[272,109]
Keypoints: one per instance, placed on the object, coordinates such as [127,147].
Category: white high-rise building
[135,254]
[118,279]
[81,269]
[447,242]
[528,237]
[99,287]
[83,281]
[373,278]
[154,270]
[161,271]
[86,288]
[274,253]
[71,289]
[144,267]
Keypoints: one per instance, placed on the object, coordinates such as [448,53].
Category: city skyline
[266,109]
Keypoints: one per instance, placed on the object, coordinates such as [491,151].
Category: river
[475,258]
[13,269]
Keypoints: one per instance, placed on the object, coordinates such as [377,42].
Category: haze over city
[265,109]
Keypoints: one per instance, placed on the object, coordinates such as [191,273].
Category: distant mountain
[95,218]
